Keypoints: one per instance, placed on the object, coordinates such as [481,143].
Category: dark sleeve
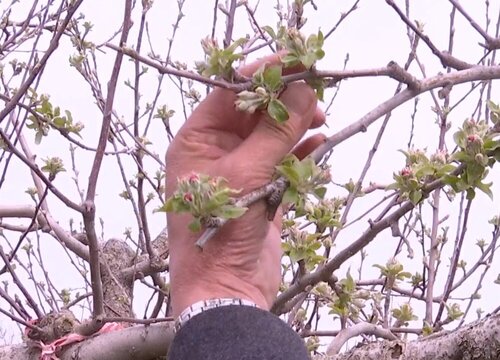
[237,333]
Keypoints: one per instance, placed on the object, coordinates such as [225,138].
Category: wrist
[185,294]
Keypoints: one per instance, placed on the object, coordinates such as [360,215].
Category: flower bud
[208,44]
[406,172]
[473,138]
[250,101]
[193,178]
[440,157]
[188,197]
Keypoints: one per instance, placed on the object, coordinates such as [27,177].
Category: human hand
[243,260]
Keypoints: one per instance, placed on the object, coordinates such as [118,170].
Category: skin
[243,259]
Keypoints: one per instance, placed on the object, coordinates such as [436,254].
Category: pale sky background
[372,36]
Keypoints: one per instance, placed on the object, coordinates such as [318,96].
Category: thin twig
[19,284]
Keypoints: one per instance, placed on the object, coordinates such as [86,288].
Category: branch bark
[89,206]
[479,340]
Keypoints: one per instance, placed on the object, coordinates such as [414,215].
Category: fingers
[270,141]
[319,119]
[218,111]
[307,146]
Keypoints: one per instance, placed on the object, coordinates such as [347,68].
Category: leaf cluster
[45,115]
[479,150]
[420,170]
[348,300]
[393,271]
[53,166]
[404,314]
[219,61]
[304,177]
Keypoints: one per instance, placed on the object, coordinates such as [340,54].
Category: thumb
[270,141]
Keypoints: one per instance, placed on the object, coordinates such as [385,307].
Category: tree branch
[447,60]
[355,330]
[479,339]
[89,205]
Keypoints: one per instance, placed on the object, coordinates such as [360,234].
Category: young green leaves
[45,115]
[53,166]
[301,50]
[420,170]
[268,85]
[205,198]
[479,149]
[267,81]
[304,177]
[219,62]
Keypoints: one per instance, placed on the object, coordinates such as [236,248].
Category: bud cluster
[205,198]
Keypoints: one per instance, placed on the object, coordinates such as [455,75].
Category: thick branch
[46,221]
[362,328]
[475,341]
[473,74]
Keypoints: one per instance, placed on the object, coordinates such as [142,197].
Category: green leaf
[459,138]
[231,211]
[305,168]
[269,30]
[308,60]
[291,195]
[415,196]
[290,60]
[272,78]
[59,122]
[46,108]
[290,173]
[320,192]
[491,144]
[168,206]
[393,186]
[277,110]
[320,54]
[447,168]
[486,188]
[69,116]
[425,170]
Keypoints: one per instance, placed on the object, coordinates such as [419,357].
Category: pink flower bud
[406,172]
[193,178]
[472,138]
[188,197]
